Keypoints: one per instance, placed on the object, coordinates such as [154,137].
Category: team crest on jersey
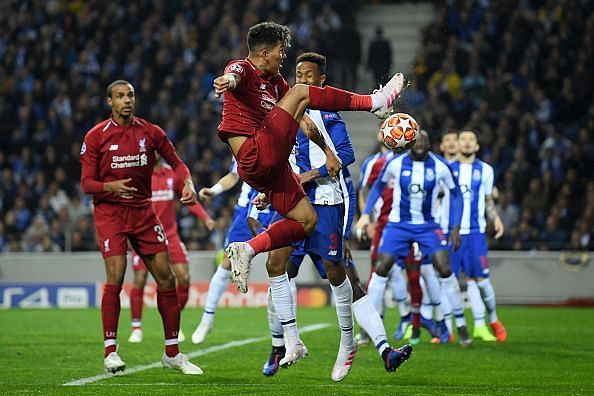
[83,149]
[236,67]
[476,174]
[142,145]
[429,174]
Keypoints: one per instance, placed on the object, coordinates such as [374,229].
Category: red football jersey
[245,107]
[166,187]
[112,152]
[387,194]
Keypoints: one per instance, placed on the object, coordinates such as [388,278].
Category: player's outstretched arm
[225,183]
[312,132]
[226,82]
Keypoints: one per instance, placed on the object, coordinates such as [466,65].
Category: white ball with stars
[400,131]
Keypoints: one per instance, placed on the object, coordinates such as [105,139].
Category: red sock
[416,295]
[169,310]
[110,313]
[280,234]
[136,302]
[333,99]
[182,295]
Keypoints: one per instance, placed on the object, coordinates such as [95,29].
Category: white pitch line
[202,352]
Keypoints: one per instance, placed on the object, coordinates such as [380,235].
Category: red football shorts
[177,252]
[116,224]
[263,161]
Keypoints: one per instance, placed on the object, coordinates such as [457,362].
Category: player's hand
[499,229]
[226,82]
[455,238]
[206,193]
[333,164]
[188,193]
[308,176]
[119,188]
[260,202]
[361,227]
[210,224]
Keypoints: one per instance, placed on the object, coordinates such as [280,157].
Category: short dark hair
[267,35]
[113,84]
[449,132]
[314,57]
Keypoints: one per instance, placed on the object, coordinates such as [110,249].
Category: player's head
[421,148]
[449,144]
[267,43]
[121,99]
[311,69]
[468,143]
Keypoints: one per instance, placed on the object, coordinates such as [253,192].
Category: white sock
[451,293]
[294,294]
[376,290]
[250,251]
[216,288]
[447,310]
[433,289]
[280,290]
[488,294]
[370,321]
[276,328]
[343,299]
[426,307]
[399,290]
[476,302]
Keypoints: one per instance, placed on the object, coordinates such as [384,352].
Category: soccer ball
[400,131]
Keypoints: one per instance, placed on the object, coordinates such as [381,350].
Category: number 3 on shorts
[160,234]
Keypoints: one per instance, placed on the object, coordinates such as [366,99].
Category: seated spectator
[552,238]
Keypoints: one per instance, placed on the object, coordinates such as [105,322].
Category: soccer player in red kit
[166,186]
[260,119]
[117,158]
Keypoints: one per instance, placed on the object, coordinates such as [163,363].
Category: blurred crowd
[519,73]
[57,57]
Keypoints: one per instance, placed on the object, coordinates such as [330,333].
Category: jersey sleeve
[337,131]
[388,172]
[165,148]
[446,176]
[376,170]
[89,159]
[488,179]
[238,68]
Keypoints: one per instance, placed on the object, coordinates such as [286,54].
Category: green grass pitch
[549,351]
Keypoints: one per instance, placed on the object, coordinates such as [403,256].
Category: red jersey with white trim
[245,107]
[113,152]
[387,195]
[166,188]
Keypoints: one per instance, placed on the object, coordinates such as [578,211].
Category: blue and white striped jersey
[416,187]
[244,196]
[476,182]
[325,190]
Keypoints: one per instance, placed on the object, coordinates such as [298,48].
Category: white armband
[232,81]
[216,189]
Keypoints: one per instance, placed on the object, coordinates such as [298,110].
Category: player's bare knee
[165,282]
[310,223]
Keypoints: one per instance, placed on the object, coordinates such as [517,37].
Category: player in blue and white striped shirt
[418,175]
[475,178]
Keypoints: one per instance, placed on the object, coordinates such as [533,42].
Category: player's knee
[310,223]
[183,279]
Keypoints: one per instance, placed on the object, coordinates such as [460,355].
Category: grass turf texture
[548,351]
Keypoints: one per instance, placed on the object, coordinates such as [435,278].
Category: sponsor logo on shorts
[106,245]
[332,252]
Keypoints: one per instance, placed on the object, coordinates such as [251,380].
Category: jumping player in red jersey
[260,119]
[117,158]
[166,186]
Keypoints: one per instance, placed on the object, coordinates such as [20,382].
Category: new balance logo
[113,147]
[332,252]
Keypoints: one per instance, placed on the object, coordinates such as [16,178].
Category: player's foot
[393,358]
[135,336]
[429,325]
[415,337]
[180,362]
[293,354]
[181,337]
[240,264]
[499,330]
[201,332]
[344,361]
[482,333]
[402,326]
[362,338]
[444,334]
[273,363]
[389,93]
[113,363]
[464,336]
